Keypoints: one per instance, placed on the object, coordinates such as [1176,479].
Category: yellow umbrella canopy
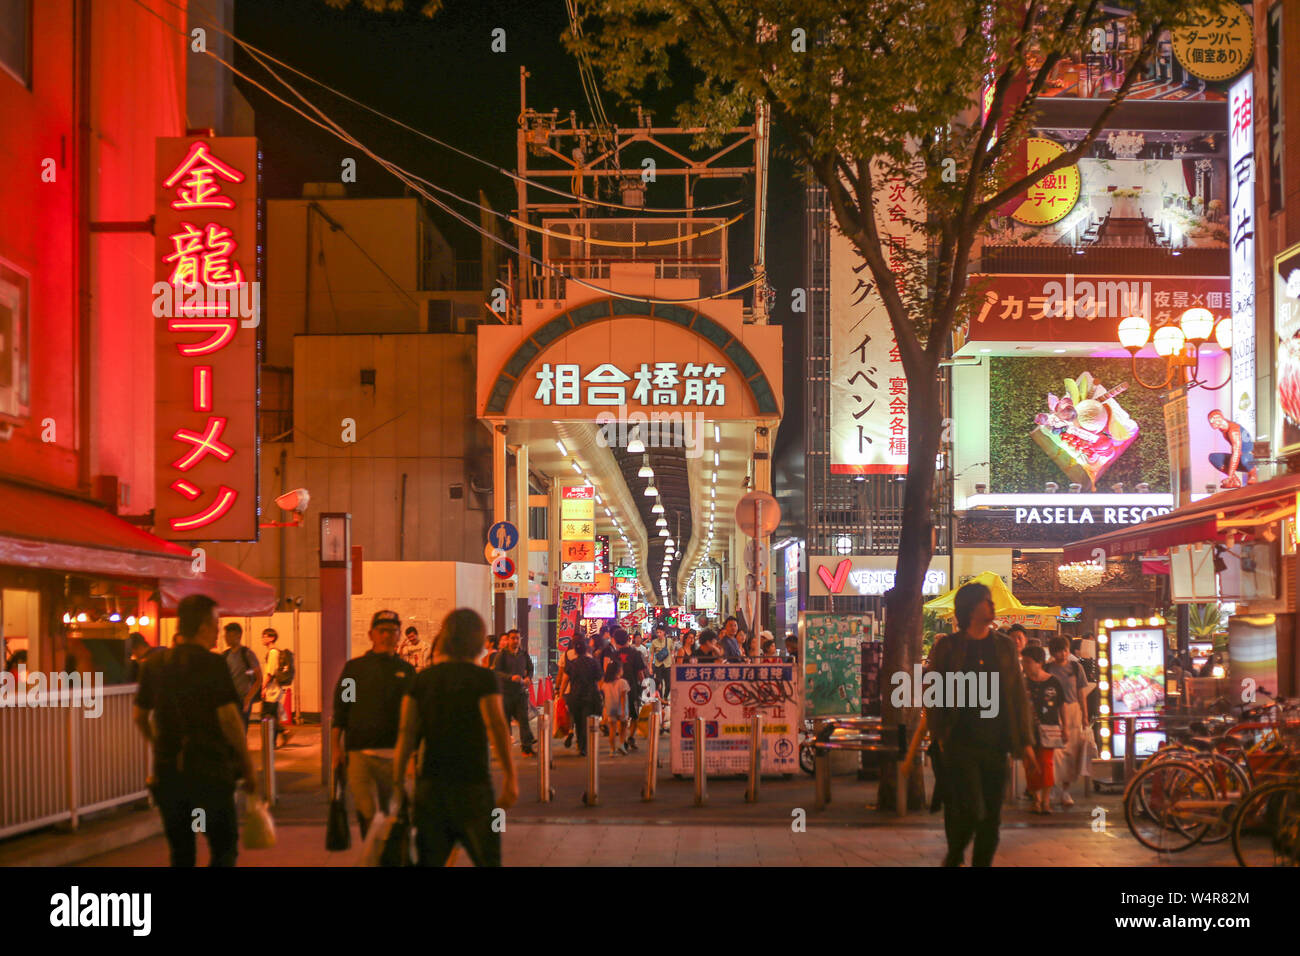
[1008,610]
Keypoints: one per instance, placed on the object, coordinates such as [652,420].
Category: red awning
[1198,522]
[236,593]
[49,531]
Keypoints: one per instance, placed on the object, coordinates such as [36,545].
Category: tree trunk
[904,600]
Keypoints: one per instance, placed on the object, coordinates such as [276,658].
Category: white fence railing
[56,763]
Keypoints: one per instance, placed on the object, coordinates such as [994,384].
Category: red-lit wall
[136,93]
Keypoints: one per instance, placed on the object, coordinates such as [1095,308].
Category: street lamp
[1179,345]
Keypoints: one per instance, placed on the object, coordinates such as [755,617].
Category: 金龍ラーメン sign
[206,215]
[658,383]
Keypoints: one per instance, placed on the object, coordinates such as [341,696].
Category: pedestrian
[614,690]
[514,669]
[707,652]
[367,712]
[1085,649]
[1050,732]
[245,670]
[1018,634]
[413,650]
[454,707]
[279,678]
[1066,669]
[140,651]
[600,645]
[792,647]
[686,650]
[753,647]
[730,646]
[661,660]
[634,671]
[488,657]
[580,691]
[198,738]
[973,741]
[767,648]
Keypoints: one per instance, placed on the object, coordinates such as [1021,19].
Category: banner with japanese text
[868,390]
[1241,223]
[206,305]
[727,696]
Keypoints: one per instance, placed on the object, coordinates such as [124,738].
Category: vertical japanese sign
[868,392]
[578,537]
[706,588]
[566,625]
[1276,127]
[1241,226]
[206,305]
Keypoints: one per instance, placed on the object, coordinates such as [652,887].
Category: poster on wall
[1286,326]
[1141,195]
[727,696]
[868,389]
[831,653]
[1055,423]
[1137,684]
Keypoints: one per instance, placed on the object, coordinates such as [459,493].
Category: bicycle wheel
[1155,805]
[807,759]
[1231,784]
[1266,830]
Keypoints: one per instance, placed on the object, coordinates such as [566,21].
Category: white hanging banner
[868,393]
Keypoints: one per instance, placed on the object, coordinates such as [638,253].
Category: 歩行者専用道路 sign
[727,696]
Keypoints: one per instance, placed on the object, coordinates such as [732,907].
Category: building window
[14,385]
[16,39]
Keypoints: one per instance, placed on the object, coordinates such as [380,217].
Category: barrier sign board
[727,696]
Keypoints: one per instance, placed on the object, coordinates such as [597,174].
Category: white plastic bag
[259,826]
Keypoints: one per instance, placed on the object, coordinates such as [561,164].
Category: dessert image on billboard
[1086,430]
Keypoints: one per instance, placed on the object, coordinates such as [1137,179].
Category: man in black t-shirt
[367,712]
[453,707]
[514,668]
[198,741]
[634,671]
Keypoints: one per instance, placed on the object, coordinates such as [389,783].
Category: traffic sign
[503,536]
[491,553]
[758,509]
[503,568]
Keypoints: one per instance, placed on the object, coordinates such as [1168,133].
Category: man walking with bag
[197,736]
[279,678]
[367,714]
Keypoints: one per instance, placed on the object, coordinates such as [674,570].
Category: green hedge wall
[1018,391]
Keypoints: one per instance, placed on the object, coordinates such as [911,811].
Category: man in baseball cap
[367,713]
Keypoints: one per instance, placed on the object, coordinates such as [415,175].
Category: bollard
[652,753]
[755,757]
[701,779]
[592,797]
[1130,748]
[544,791]
[268,760]
[821,778]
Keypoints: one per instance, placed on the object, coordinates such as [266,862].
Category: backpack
[584,677]
[284,672]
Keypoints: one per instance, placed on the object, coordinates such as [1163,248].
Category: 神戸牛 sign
[727,696]
[1241,235]
[868,389]
[206,229]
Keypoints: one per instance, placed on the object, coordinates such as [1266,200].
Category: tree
[867,90]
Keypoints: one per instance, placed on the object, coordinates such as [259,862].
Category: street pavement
[624,830]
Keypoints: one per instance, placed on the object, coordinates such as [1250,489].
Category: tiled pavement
[624,831]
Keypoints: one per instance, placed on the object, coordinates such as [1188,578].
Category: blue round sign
[503,536]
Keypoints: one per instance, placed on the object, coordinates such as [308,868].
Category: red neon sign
[206,358]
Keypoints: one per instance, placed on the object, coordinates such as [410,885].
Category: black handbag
[338,834]
[397,848]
